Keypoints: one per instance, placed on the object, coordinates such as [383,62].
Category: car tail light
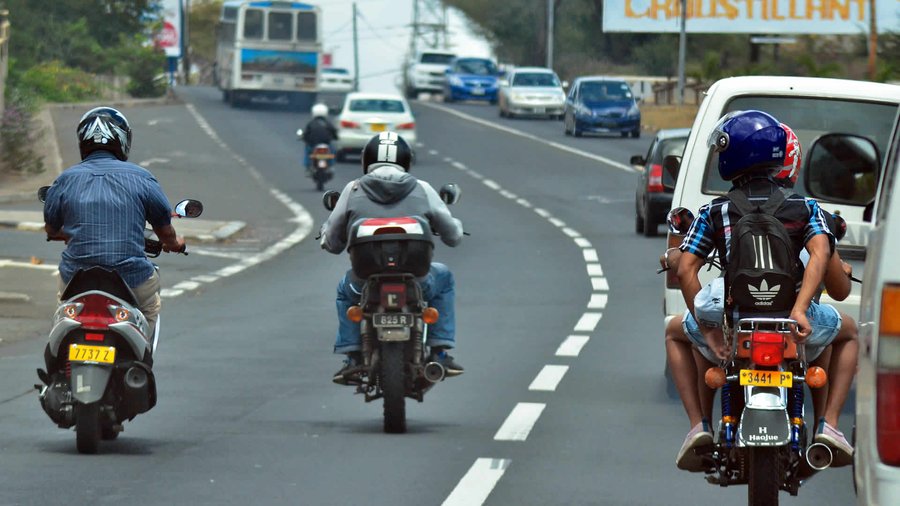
[349,124]
[393,295]
[654,179]
[672,280]
[888,377]
[95,313]
[406,126]
[767,348]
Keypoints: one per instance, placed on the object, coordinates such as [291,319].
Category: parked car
[653,197]
[334,84]
[600,104]
[533,91]
[367,114]
[471,79]
[877,431]
[425,72]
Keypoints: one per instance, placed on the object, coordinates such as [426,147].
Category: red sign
[168,37]
[326,59]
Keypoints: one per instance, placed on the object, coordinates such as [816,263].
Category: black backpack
[762,272]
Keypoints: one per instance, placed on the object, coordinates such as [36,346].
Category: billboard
[782,17]
[170,37]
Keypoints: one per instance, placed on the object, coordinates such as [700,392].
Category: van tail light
[672,280]
[349,124]
[888,377]
[406,126]
[654,179]
[767,348]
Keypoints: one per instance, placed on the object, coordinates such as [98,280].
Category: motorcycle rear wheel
[393,386]
[765,473]
[87,427]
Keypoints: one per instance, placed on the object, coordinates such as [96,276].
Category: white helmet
[319,110]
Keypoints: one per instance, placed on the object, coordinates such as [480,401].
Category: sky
[384,32]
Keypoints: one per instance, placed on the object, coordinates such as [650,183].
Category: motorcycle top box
[380,245]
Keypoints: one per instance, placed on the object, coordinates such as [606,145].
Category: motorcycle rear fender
[89,382]
[764,421]
[133,336]
[393,334]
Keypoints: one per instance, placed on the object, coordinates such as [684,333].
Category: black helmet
[386,148]
[104,128]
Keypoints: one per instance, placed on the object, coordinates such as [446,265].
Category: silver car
[532,91]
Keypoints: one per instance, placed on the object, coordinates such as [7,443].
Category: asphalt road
[552,275]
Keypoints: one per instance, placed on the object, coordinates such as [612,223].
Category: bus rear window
[306,26]
[253,24]
[280,25]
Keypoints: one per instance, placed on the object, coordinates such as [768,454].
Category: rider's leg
[842,368]
[349,291]
[439,289]
[683,369]
[820,395]
[149,301]
[707,395]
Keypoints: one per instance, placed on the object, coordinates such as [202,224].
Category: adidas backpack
[762,272]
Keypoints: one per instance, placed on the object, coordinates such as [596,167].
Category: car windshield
[605,91]
[810,118]
[376,105]
[442,59]
[535,79]
[476,67]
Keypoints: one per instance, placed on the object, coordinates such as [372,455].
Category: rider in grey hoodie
[387,190]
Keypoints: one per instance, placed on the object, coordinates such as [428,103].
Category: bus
[269,49]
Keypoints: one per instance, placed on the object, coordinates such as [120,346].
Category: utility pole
[682,49]
[355,53]
[873,42]
[550,34]
[186,45]
[429,25]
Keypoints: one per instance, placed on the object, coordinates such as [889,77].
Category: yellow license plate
[378,127]
[753,378]
[87,353]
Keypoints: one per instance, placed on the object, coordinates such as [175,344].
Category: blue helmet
[747,141]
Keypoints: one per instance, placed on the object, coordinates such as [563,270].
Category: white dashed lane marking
[520,422]
[572,346]
[477,484]
[548,378]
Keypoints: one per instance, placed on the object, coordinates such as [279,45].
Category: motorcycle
[321,160]
[389,254]
[100,351]
[762,439]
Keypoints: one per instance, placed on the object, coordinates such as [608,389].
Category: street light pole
[550,34]
[355,53]
[873,42]
[682,49]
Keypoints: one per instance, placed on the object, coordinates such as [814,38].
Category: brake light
[89,336]
[654,179]
[888,377]
[95,314]
[672,281]
[393,295]
[767,348]
[406,126]
[349,124]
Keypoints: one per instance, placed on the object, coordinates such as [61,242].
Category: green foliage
[55,82]
[657,57]
[145,69]
[203,19]
[19,134]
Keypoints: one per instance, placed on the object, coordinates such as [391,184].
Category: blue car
[601,105]
[471,79]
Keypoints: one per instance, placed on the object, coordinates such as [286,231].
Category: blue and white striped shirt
[102,204]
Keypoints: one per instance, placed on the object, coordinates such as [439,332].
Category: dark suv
[653,197]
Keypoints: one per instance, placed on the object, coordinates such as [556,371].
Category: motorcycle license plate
[392,319]
[87,353]
[753,378]
[378,127]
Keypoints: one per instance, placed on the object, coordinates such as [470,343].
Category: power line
[375,31]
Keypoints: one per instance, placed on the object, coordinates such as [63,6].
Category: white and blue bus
[268,49]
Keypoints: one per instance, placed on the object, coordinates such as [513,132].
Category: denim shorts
[824,319]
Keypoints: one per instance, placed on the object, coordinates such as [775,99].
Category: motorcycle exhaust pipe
[818,456]
[136,378]
[434,372]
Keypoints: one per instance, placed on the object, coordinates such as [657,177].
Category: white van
[812,107]
[877,434]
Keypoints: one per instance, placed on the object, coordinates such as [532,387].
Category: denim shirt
[102,204]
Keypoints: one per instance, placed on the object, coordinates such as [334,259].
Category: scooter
[321,160]
[100,350]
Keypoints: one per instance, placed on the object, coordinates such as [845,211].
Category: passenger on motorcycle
[751,146]
[100,206]
[318,131]
[387,190]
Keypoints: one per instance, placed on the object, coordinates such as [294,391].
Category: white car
[334,84]
[365,115]
[426,72]
[533,91]
[877,432]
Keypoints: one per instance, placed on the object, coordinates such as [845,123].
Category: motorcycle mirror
[189,208]
[42,193]
[450,193]
[840,227]
[679,220]
[299,133]
[330,198]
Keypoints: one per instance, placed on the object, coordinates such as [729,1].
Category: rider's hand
[803,329]
[177,247]
[847,268]
[715,339]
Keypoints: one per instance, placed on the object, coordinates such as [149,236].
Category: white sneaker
[687,458]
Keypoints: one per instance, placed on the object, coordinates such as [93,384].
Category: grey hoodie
[388,192]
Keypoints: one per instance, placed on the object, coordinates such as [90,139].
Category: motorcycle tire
[393,387]
[765,473]
[107,433]
[87,427]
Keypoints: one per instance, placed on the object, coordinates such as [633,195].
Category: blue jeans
[824,319]
[438,288]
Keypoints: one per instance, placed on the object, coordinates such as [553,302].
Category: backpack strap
[742,203]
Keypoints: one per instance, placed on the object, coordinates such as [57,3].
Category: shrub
[55,82]
[19,135]
[145,68]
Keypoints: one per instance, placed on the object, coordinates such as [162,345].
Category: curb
[125,102]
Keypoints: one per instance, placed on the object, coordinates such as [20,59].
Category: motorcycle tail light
[767,348]
[95,312]
[90,336]
[393,295]
[121,314]
[430,315]
[654,179]
[71,310]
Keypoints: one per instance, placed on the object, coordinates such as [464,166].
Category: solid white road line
[28,265]
[571,347]
[598,301]
[548,378]
[588,322]
[520,421]
[475,487]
